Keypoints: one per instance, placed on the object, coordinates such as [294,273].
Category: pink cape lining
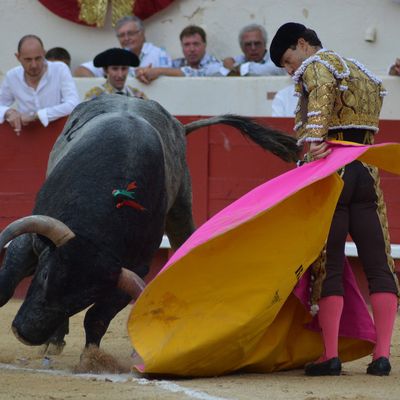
[278,189]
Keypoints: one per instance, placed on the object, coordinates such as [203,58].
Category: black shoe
[333,366]
[380,366]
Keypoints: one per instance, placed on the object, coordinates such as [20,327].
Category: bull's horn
[130,283]
[52,228]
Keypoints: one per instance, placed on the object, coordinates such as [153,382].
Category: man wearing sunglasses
[255,60]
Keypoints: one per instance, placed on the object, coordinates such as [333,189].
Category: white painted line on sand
[174,388]
[100,377]
[121,378]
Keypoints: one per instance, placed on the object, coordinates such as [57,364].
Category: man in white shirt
[394,69]
[196,60]
[285,102]
[255,60]
[131,35]
[42,90]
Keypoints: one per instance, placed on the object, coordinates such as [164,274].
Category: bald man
[40,89]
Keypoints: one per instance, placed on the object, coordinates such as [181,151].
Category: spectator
[196,61]
[395,68]
[59,54]
[285,102]
[255,60]
[131,35]
[323,79]
[115,63]
[42,89]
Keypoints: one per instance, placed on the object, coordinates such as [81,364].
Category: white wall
[341,25]
[251,96]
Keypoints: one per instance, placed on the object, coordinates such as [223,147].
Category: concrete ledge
[350,249]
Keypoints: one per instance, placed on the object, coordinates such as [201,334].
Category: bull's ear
[130,283]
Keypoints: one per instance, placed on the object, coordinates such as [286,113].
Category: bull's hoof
[52,349]
[96,361]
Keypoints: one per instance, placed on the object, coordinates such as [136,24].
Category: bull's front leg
[55,345]
[99,316]
[97,319]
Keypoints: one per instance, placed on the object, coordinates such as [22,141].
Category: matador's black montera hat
[116,56]
[287,35]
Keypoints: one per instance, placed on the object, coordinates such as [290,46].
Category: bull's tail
[277,142]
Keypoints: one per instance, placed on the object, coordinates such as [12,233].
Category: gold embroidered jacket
[335,93]
[107,88]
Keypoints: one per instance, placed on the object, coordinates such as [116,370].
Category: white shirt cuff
[43,118]
[244,68]
[3,111]
[224,71]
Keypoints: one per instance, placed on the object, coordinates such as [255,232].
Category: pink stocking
[330,311]
[384,308]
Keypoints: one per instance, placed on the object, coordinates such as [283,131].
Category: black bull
[83,255]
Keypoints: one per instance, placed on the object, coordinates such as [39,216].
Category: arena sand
[25,374]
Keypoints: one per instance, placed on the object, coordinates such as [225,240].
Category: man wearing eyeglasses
[131,35]
[255,60]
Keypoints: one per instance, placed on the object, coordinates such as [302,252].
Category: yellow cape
[227,304]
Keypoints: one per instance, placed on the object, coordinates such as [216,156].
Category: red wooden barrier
[225,165]
[23,163]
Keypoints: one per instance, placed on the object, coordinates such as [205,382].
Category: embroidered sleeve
[321,87]
[93,92]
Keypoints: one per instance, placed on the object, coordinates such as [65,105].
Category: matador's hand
[318,150]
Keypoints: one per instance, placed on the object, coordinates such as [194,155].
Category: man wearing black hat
[341,99]
[115,63]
